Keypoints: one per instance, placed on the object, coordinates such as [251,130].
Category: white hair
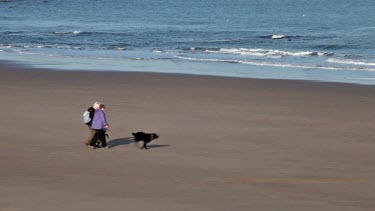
[97,104]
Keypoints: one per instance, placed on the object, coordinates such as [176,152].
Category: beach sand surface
[225,143]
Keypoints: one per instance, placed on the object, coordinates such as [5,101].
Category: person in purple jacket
[99,124]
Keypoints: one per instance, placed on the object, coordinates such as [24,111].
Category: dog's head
[154,136]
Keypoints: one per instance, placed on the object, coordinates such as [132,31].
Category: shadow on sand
[120,141]
[129,140]
[157,145]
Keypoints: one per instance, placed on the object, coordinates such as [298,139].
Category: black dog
[145,137]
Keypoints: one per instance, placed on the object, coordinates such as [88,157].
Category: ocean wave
[90,33]
[158,51]
[38,54]
[352,56]
[61,32]
[200,49]
[67,32]
[279,36]
[351,62]
[225,40]
[83,56]
[283,65]
[370,28]
[265,52]
[331,46]
[64,47]
[12,32]
[5,45]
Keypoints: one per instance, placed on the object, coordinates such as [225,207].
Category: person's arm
[105,120]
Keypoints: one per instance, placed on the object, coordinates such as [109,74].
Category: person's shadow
[129,140]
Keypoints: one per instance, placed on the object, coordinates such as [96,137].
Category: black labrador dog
[145,137]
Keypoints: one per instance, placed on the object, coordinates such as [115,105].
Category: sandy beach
[225,143]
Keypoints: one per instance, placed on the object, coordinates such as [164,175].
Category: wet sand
[225,143]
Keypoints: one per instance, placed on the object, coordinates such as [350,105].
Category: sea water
[283,39]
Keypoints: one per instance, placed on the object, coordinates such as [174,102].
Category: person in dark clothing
[92,132]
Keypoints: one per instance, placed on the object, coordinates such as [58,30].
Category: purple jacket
[100,120]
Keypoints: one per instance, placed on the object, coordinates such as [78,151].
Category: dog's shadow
[157,145]
[130,140]
[120,141]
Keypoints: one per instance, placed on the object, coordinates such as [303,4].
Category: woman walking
[99,124]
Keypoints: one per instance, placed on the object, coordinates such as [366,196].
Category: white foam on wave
[67,32]
[268,53]
[284,65]
[5,46]
[64,47]
[37,54]
[55,55]
[206,60]
[350,62]
[59,32]
[279,36]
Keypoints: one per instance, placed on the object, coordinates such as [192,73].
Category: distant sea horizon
[296,39]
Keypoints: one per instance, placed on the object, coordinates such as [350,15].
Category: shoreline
[18,65]
[225,143]
[214,69]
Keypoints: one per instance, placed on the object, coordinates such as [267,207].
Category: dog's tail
[133,134]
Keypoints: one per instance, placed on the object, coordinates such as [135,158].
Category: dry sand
[225,143]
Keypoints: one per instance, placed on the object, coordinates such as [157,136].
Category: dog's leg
[145,146]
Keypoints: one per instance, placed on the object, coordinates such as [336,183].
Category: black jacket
[92,113]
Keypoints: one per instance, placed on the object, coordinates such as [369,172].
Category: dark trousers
[91,136]
[99,135]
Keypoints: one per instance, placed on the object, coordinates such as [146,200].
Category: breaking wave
[279,36]
[67,32]
[278,64]
[5,45]
[351,62]
[266,52]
